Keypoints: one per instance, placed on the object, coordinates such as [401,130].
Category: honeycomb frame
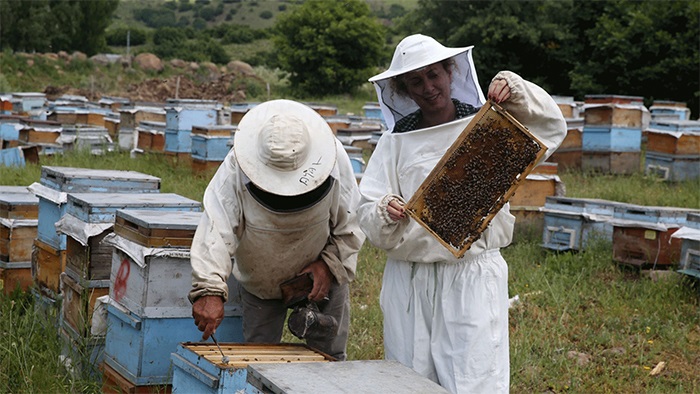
[474,179]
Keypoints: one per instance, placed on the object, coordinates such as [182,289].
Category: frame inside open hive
[242,354]
[475,178]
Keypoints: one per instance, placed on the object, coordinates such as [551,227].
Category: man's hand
[322,280]
[208,312]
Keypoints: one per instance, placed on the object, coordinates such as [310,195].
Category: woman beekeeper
[446,318]
[280,205]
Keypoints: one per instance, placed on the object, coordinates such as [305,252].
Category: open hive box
[475,178]
[242,354]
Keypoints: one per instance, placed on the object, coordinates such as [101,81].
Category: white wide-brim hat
[285,147]
[415,52]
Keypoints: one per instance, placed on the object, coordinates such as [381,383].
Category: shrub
[117,37]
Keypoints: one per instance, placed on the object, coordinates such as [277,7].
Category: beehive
[199,368]
[475,178]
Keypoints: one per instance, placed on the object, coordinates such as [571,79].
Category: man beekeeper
[282,204]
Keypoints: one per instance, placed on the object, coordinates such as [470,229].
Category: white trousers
[449,322]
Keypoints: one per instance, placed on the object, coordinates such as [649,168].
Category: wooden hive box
[475,177]
[84,352]
[337,122]
[131,117]
[15,276]
[24,205]
[112,126]
[90,217]
[157,229]
[38,133]
[642,235]
[324,110]
[204,167]
[90,262]
[673,142]
[613,99]
[90,118]
[47,265]
[541,183]
[78,303]
[150,136]
[198,367]
[16,239]
[620,163]
[114,383]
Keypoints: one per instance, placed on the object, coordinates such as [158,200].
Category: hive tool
[224,358]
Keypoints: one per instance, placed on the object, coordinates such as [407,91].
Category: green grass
[580,302]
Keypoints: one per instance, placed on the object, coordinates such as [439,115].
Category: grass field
[583,324]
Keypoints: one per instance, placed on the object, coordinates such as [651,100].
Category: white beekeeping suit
[446,318]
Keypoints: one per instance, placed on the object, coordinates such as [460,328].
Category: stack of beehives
[673,149]
[612,133]
[18,226]
[180,116]
[568,154]
[689,235]
[148,313]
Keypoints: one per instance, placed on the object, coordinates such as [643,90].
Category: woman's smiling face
[430,87]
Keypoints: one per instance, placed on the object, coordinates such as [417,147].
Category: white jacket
[402,161]
[263,248]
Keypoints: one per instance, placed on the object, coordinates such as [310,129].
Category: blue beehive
[27,101]
[139,347]
[212,143]
[55,182]
[611,139]
[198,367]
[183,114]
[670,167]
[178,141]
[669,110]
[689,234]
[571,223]
[9,130]
[675,125]
[102,207]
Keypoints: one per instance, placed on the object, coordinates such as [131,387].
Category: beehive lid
[114,201]
[475,178]
[157,228]
[360,376]
[15,199]
[242,354]
[88,180]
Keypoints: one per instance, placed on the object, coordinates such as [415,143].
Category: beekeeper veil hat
[285,147]
[415,52]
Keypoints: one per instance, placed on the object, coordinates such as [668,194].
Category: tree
[529,38]
[576,47]
[647,49]
[51,26]
[328,47]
